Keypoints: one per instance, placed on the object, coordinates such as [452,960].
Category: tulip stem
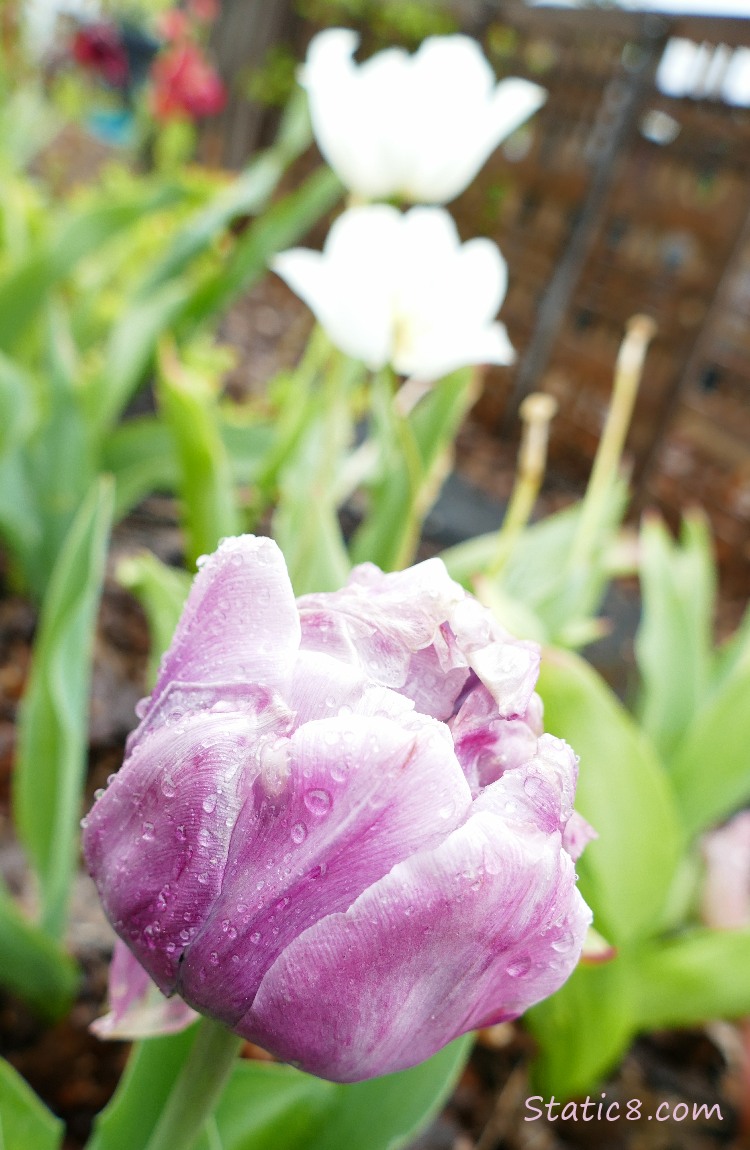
[537,412]
[197,1089]
[640,330]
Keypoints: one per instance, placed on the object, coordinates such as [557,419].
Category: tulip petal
[157,840]
[508,667]
[138,1009]
[354,110]
[486,744]
[466,935]
[725,901]
[364,791]
[378,621]
[348,286]
[240,621]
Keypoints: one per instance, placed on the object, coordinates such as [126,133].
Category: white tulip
[419,127]
[402,289]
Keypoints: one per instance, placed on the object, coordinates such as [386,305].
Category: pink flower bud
[338,828]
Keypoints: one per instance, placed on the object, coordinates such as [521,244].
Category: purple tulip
[339,828]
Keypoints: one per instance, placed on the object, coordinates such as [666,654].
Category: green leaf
[140,454]
[15,404]
[735,650]
[152,1070]
[269,1105]
[709,768]
[673,644]
[32,965]
[538,576]
[584,1028]
[83,232]
[306,525]
[188,400]
[53,727]
[25,1121]
[281,226]
[623,791]
[387,1113]
[415,459]
[161,591]
[60,465]
[694,978]
[130,351]
[247,194]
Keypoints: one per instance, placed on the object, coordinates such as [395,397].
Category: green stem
[413,466]
[197,1089]
[639,333]
[537,412]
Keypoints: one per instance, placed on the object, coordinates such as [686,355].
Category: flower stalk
[537,412]
[198,1088]
[639,332]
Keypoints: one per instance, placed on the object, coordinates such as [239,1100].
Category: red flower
[185,84]
[173,24]
[98,48]
[204,11]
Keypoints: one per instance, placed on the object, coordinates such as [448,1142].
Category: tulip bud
[419,126]
[339,828]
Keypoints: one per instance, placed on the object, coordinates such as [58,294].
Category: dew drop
[213,958]
[533,786]
[318,802]
[255,937]
[209,803]
[98,792]
[203,878]
[147,832]
[299,833]
[168,787]
[181,833]
[519,968]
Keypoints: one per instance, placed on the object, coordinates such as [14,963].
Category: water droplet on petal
[147,832]
[318,802]
[213,958]
[519,968]
[209,803]
[299,833]
[255,937]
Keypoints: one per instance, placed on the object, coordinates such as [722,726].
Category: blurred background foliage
[124,246]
